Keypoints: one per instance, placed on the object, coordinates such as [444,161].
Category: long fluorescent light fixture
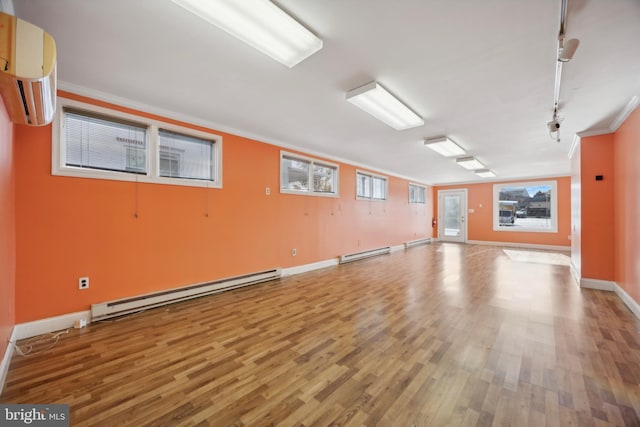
[261,24]
[485,173]
[375,100]
[470,163]
[444,146]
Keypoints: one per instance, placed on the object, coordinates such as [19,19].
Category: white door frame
[462,192]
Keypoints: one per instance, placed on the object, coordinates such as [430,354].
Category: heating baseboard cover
[364,254]
[129,305]
[418,242]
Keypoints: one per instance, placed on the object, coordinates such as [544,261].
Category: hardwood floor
[442,335]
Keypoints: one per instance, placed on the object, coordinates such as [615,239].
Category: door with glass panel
[452,219]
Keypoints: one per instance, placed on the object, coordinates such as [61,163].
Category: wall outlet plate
[83,283]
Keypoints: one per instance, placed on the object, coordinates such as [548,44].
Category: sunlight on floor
[538,257]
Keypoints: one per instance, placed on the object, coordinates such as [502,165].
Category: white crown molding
[594,132]
[626,112]
[574,145]
[128,103]
[616,122]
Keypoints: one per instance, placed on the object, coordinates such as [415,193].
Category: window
[417,194]
[369,186]
[184,156]
[528,206]
[95,142]
[99,143]
[303,175]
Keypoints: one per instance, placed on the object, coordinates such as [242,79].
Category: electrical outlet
[294,252]
[83,283]
[267,191]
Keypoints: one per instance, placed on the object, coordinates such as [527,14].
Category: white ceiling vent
[27,71]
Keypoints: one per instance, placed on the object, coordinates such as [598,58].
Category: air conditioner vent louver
[28,75]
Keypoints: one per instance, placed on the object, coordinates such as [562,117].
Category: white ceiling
[481,72]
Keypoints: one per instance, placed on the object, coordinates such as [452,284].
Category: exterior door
[452,215]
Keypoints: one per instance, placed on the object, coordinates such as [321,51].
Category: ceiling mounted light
[444,146]
[261,24]
[470,163]
[375,100]
[485,173]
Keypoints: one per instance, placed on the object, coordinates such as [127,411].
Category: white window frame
[372,176]
[553,206]
[152,175]
[312,161]
[424,190]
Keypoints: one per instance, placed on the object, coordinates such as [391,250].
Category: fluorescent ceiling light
[470,163]
[375,100]
[260,24]
[444,146]
[485,173]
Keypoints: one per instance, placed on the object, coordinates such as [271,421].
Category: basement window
[305,175]
[417,194]
[370,186]
[526,206]
[95,142]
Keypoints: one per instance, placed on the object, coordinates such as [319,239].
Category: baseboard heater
[418,242]
[124,306]
[365,254]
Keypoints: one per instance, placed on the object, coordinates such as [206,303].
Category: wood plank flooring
[438,335]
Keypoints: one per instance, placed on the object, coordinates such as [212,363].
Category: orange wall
[480,223]
[597,210]
[7,230]
[626,160]
[72,227]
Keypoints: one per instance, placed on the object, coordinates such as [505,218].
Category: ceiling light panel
[261,24]
[485,173]
[377,101]
[444,146]
[470,163]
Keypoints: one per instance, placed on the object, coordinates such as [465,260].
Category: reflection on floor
[538,257]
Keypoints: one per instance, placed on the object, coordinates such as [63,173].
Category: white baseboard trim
[6,360]
[521,245]
[607,285]
[298,269]
[603,285]
[50,324]
[574,273]
[626,298]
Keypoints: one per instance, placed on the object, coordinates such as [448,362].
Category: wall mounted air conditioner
[27,71]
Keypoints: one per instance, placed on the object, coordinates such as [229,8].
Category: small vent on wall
[365,254]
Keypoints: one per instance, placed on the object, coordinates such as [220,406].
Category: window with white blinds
[184,156]
[370,186]
[96,142]
[304,175]
[417,194]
